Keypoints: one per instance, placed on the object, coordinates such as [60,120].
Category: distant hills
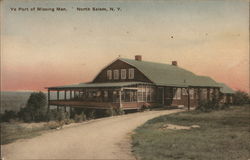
[14,100]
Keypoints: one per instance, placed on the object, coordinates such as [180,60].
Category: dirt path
[107,138]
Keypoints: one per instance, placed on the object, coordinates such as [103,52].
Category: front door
[160,95]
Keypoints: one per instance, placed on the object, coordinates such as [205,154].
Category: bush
[61,115]
[35,109]
[57,115]
[91,114]
[241,98]
[8,116]
[80,117]
[53,125]
[68,121]
[119,111]
[207,106]
[110,112]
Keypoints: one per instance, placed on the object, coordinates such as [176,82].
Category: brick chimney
[138,57]
[174,63]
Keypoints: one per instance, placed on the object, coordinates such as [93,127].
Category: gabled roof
[101,85]
[225,89]
[169,75]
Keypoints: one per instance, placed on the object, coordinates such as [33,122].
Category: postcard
[93,79]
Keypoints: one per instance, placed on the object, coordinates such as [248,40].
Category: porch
[123,95]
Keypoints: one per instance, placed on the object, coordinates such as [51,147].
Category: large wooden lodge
[133,83]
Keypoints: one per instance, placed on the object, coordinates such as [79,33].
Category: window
[204,93]
[191,93]
[177,93]
[116,74]
[211,94]
[131,73]
[109,74]
[184,91]
[140,95]
[123,74]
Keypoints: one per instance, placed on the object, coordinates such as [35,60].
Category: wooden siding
[102,76]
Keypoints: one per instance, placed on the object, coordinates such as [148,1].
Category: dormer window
[123,74]
[116,74]
[109,74]
[131,73]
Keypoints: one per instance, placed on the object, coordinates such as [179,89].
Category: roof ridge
[148,62]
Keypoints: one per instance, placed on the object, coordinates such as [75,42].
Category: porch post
[70,112]
[48,99]
[57,99]
[57,94]
[188,98]
[199,95]
[65,94]
[208,94]
[214,94]
[120,98]
[163,95]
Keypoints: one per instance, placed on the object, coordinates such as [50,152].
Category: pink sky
[42,49]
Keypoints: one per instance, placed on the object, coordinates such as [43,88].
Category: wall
[118,64]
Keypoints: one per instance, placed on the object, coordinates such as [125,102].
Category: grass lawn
[11,132]
[223,135]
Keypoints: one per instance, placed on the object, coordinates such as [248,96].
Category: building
[226,94]
[133,83]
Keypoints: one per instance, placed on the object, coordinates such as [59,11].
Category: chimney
[138,57]
[174,63]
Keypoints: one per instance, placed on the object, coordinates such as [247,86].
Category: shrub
[241,98]
[35,109]
[8,116]
[91,114]
[68,121]
[114,112]
[53,125]
[119,111]
[206,106]
[80,117]
[60,115]
[110,112]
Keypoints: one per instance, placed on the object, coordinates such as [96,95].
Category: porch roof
[226,89]
[97,85]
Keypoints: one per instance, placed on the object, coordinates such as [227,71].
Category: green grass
[11,132]
[223,135]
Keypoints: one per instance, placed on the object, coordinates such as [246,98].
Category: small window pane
[131,73]
[109,74]
[184,92]
[116,74]
[123,74]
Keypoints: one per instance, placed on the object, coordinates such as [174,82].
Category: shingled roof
[226,89]
[170,75]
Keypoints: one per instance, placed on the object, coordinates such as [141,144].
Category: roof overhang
[97,85]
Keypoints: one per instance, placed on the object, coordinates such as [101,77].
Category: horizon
[45,48]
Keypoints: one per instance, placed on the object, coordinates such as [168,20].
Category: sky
[44,48]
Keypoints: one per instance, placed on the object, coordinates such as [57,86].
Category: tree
[35,109]
[241,98]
